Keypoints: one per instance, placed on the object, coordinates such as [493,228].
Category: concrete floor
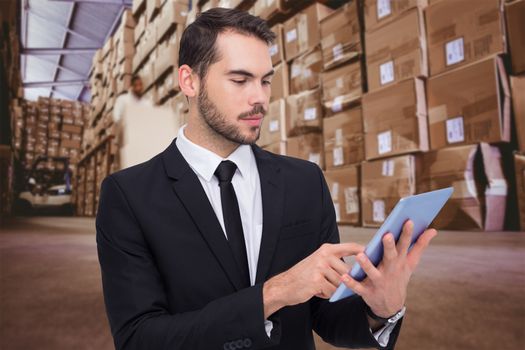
[468,292]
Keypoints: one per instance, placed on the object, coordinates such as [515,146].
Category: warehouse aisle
[472,289]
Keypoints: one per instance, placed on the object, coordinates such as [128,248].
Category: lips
[254,120]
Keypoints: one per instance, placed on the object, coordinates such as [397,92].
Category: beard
[219,123]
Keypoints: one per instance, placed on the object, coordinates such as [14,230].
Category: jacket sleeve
[136,300]
[343,323]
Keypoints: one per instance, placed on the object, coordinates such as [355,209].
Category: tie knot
[225,171]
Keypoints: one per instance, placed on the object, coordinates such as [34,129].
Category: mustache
[258,109]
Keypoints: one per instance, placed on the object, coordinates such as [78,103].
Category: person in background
[126,101]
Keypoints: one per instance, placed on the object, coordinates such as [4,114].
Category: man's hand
[317,275]
[385,288]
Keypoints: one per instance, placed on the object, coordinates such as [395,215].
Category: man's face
[235,94]
[137,87]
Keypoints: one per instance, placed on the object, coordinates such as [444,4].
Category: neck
[198,132]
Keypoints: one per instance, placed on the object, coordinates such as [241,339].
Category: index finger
[346,249]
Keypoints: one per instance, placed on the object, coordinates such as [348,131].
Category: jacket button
[247,343]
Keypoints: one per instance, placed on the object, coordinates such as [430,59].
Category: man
[217,244]
[126,101]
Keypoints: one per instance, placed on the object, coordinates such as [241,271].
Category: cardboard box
[460,33]
[519,165]
[308,147]
[391,57]
[381,12]
[469,105]
[341,35]
[140,27]
[125,67]
[173,13]
[301,32]
[75,129]
[305,71]
[125,53]
[167,55]
[342,87]
[344,138]
[273,125]
[138,7]
[107,48]
[152,9]
[280,82]
[304,113]
[383,183]
[480,189]
[344,189]
[518,107]
[276,148]
[395,120]
[515,17]
[268,9]
[277,48]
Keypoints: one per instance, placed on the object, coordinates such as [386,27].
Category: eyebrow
[248,74]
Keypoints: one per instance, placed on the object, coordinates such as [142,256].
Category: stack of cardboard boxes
[51,127]
[390,98]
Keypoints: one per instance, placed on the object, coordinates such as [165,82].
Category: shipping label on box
[391,57]
[471,34]
[344,138]
[341,36]
[469,105]
[395,120]
[382,186]
[343,184]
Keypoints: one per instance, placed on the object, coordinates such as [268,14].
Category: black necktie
[232,218]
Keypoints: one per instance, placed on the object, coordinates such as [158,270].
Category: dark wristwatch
[391,320]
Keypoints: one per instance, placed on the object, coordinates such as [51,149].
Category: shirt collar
[205,162]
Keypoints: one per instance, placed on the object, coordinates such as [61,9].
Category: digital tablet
[421,209]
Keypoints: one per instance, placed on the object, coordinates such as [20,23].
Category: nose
[259,94]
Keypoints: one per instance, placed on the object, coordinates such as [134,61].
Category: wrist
[272,299]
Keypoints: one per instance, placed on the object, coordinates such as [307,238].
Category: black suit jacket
[170,280]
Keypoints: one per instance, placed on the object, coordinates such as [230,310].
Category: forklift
[46,188]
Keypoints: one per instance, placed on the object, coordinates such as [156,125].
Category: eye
[267,82]
[239,82]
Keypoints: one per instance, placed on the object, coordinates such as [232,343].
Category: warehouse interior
[390,98]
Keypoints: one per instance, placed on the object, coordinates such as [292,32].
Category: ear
[188,82]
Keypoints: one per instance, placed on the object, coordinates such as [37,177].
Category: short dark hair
[135,78]
[197,45]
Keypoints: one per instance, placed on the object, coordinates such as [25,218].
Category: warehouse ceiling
[59,39]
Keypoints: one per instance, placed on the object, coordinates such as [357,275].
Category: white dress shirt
[247,186]
[125,102]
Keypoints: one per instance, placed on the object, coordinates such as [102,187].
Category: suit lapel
[189,190]
[272,191]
